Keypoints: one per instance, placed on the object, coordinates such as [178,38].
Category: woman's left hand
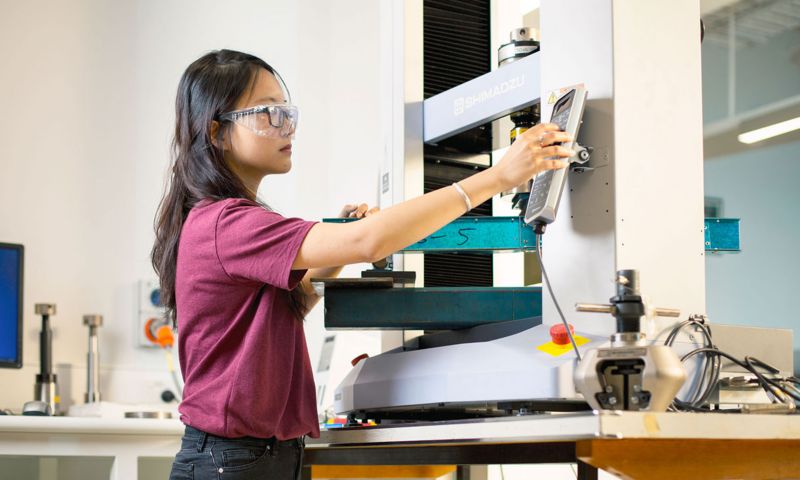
[357,211]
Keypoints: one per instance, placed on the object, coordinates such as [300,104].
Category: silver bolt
[612,400]
[45,308]
[637,388]
[635,400]
[220,470]
[609,389]
[93,320]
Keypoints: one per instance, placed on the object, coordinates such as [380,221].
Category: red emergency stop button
[558,333]
[355,361]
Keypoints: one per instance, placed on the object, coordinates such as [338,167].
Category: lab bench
[40,448]
[629,444]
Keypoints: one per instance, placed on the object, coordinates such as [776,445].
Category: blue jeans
[204,457]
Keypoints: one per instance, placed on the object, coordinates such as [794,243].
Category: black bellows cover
[456,49]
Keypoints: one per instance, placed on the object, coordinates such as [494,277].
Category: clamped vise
[630,374]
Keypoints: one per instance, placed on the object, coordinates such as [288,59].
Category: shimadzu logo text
[462,104]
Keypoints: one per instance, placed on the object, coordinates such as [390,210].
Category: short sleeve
[255,244]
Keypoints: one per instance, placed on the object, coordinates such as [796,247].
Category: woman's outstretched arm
[391,230]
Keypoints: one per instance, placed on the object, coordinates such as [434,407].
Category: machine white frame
[640,206]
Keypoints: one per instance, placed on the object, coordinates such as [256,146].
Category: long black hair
[209,87]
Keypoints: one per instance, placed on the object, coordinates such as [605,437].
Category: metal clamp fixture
[630,375]
[523,42]
[45,393]
[93,359]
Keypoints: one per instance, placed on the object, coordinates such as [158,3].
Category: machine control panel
[547,186]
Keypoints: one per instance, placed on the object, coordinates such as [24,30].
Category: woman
[235,275]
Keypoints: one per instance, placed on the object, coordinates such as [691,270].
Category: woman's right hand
[531,153]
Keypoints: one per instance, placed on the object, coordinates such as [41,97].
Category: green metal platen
[722,235]
[498,234]
[438,308]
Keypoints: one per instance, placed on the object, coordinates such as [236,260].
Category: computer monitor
[11,270]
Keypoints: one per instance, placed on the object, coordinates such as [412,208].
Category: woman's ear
[214,134]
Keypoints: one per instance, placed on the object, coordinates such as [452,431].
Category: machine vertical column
[642,205]
[659,162]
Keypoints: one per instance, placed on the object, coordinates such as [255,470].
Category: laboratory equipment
[523,42]
[610,209]
[630,374]
[548,185]
[46,389]
[93,359]
[37,408]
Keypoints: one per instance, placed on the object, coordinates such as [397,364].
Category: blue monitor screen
[10,308]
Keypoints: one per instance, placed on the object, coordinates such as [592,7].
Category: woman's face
[252,156]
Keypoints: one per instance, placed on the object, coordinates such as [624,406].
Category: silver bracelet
[463,195]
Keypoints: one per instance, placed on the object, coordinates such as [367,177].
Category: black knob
[167,396]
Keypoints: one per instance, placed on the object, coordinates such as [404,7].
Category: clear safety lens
[267,120]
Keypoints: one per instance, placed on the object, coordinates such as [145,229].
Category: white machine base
[465,376]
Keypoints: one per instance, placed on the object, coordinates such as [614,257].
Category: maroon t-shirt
[243,353]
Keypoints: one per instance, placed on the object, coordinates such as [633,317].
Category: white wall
[87,94]
[756,287]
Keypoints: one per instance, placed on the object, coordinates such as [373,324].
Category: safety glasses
[272,120]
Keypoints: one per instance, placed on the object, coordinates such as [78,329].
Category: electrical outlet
[149,306]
